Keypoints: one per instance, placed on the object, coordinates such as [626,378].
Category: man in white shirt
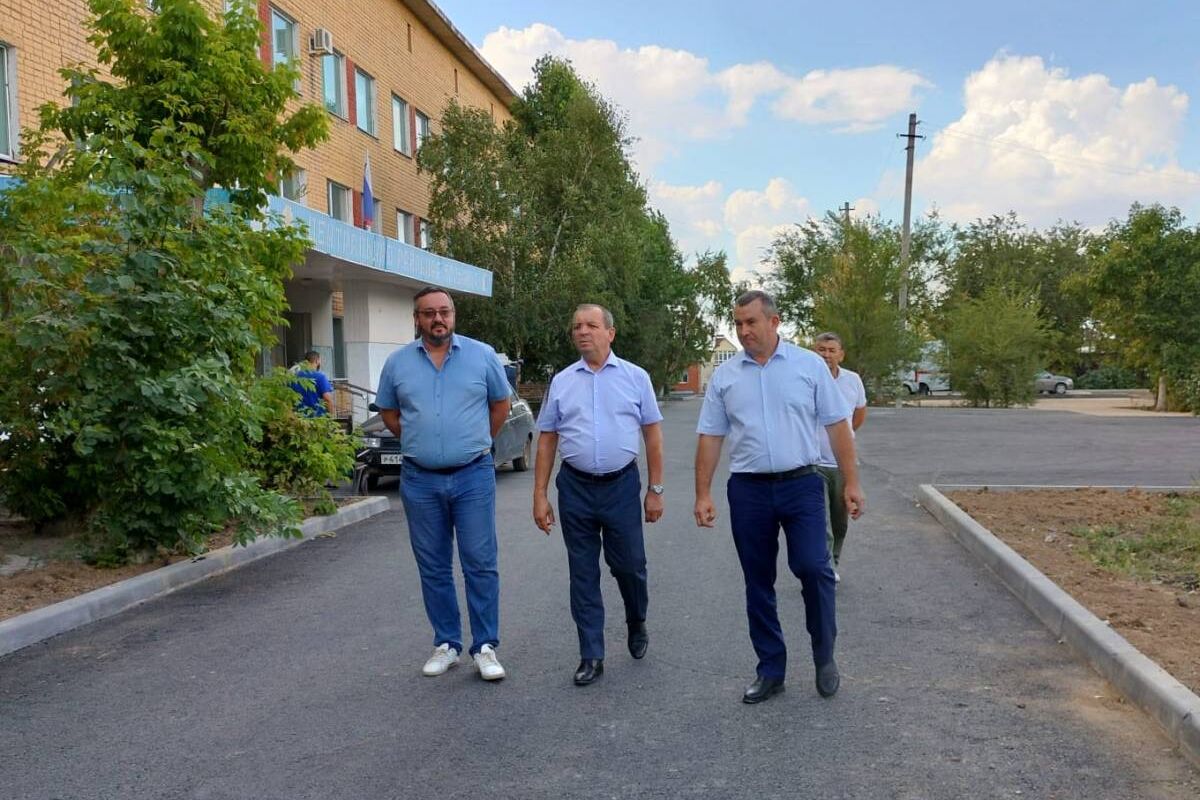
[828,346]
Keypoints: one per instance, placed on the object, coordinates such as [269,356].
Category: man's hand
[856,501]
[543,513]
[653,506]
[706,512]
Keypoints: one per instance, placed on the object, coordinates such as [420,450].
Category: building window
[341,204]
[364,101]
[283,38]
[409,36]
[723,355]
[333,83]
[294,185]
[8,108]
[422,128]
[401,138]
[404,227]
[456,80]
[424,235]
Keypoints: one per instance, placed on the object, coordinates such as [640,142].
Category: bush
[994,345]
[297,454]
[130,317]
[1109,377]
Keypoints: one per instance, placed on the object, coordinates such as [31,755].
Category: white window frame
[332,186]
[401,127]
[421,131]
[8,99]
[297,179]
[369,127]
[293,45]
[404,227]
[339,61]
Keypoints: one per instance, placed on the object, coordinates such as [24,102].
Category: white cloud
[706,217]
[1049,146]
[674,96]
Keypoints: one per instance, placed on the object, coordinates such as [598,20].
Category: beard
[437,336]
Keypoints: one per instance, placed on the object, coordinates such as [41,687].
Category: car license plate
[391,458]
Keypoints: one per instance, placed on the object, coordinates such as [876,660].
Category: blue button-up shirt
[598,416]
[770,412]
[444,414]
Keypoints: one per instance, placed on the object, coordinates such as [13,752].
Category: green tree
[130,320]
[845,277]
[1146,282]
[801,261]
[1052,265]
[994,344]
[551,205]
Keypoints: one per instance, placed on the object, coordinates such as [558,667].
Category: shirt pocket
[800,397]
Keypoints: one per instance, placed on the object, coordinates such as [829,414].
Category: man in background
[315,400]
[829,346]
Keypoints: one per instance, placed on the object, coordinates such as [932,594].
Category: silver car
[1049,382]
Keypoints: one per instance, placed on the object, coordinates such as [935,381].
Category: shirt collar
[454,343]
[781,351]
[611,361]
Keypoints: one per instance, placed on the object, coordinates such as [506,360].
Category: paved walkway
[298,677]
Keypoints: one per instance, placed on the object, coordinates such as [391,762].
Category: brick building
[384,69]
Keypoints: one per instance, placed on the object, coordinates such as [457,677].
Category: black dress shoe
[828,679]
[762,689]
[639,640]
[589,670]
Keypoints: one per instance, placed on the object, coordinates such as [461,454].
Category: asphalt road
[298,676]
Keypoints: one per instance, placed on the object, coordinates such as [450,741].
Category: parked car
[1049,382]
[380,455]
[925,382]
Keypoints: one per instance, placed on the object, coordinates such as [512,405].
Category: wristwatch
[657,488]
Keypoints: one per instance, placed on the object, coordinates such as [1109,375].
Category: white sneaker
[836,577]
[443,658]
[488,665]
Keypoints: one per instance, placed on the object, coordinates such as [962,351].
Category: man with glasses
[446,397]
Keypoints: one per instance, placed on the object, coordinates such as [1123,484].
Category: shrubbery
[994,346]
[1109,377]
[129,317]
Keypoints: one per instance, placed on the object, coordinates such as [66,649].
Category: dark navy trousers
[595,516]
[757,510]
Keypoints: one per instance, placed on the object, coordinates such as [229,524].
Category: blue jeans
[439,509]
[606,516]
[757,510]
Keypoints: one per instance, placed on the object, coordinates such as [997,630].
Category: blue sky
[750,121]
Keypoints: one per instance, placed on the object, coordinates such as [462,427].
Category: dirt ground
[37,570]
[1161,619]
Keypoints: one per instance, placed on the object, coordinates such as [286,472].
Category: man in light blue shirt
[770,401]
[446,396]
[594,413]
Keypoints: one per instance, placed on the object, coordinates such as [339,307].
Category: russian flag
[368,196]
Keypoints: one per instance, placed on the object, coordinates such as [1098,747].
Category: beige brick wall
[373,34]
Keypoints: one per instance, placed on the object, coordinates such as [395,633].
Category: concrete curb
[43,623]
[1139,679]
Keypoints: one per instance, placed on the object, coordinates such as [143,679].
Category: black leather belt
[798,472]
[603,477]
[445,470]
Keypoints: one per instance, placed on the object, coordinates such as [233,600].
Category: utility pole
[846,209]
[912,137]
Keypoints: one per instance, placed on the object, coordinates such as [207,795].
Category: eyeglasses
[434,313]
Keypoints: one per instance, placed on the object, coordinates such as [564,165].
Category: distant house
[695,378]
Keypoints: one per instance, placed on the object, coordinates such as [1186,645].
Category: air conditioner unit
[320,43]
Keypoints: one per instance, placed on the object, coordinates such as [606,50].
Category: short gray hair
[829,336]
[608,317]
[768,302]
